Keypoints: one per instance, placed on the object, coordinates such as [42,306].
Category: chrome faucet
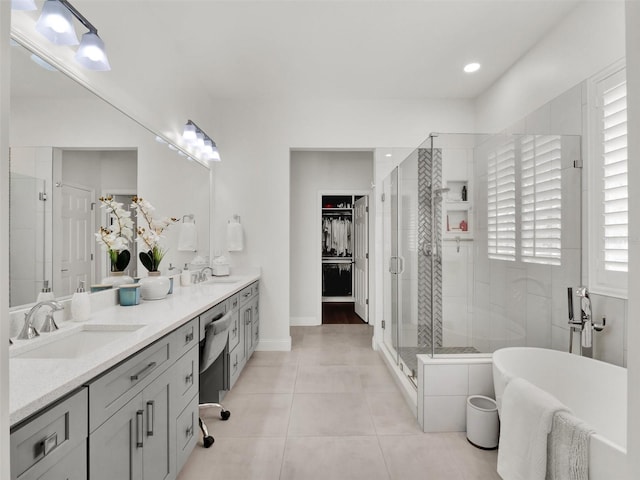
[202,276]
[28,330]
[584,325]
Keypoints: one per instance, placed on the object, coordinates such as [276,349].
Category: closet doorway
[345,257]
[315,174]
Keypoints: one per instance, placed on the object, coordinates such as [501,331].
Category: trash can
[482,422]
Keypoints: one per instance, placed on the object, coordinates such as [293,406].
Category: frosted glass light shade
[215,156]
[25,5]
[207,151]
[189,133]
[56,24]
[91,53]
[199,140]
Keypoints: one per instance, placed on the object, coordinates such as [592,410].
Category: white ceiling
[320,49]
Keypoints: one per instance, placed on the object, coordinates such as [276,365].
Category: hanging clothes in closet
[336,236]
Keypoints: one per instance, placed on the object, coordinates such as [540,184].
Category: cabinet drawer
[255,289]
[210,315]
[234,331]
[115,388]
[71,467]
[234,302]
[187,432]
[185,379]
[44,441]
[185,338]
[245,295]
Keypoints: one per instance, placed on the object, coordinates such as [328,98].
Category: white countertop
[37,382]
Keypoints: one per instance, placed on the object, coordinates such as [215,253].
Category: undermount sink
[228,279]
[79,343]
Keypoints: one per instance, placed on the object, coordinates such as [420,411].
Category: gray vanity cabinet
[137,442]
[53,444]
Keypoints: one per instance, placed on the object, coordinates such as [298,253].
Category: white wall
[5,18]
[311,174]
[590,38]
[633,337]
[253,179]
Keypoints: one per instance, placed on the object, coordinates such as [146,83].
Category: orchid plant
[115,238]
[148,238]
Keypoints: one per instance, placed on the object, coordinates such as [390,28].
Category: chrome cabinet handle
[49,443]
[188,337]
[189,431]
[150,413]
[189,379]
[139,433]
[144,372]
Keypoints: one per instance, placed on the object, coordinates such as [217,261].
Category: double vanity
[117,396]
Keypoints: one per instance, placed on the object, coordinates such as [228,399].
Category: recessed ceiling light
[472,67]
[388,155]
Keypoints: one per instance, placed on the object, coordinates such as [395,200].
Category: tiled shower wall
[429,177]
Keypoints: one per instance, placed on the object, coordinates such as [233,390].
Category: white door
[361,258]
[75,231]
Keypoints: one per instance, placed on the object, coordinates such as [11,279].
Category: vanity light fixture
[196,138]
[25,5]
[472,67]
[56,24]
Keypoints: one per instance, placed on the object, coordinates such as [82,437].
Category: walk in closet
[345,251]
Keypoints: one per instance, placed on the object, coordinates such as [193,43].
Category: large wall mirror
[69,148]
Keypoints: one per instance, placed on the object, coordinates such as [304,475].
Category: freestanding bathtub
[595,391]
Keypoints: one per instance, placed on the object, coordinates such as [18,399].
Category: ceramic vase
[115,279]
[154,287]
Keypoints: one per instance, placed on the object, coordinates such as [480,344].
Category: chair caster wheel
[225,414]
[208,441]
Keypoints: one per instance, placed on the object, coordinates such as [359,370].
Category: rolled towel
[525,422]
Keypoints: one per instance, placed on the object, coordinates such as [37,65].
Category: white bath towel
[568,448]
[526,419]
[188,239]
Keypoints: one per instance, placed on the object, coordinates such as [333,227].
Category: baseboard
[274,345]
[303,321]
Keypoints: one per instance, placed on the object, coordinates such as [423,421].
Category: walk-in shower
[482,235]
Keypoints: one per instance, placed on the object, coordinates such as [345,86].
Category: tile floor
[329,409]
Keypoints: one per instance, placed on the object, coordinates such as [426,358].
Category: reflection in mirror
[74,148]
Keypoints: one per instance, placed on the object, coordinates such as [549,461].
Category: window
[502,203]
[608,180]
[541,199]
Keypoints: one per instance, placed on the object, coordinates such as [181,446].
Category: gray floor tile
[391,414]
[267,379]
[252,415]
[333,414]
[328,379]
[235,458]
[335,458]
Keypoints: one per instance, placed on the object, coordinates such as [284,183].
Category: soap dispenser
[185,276]
[46,293]
[80,304]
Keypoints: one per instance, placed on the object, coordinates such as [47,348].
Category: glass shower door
[407,264]
[390,252]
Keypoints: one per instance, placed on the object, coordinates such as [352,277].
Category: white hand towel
[525,421]
[188,239]
[568,448]
[235,238]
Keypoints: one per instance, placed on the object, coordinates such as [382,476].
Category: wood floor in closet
[339,313]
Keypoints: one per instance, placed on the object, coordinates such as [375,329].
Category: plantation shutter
[501,221]
[614,174]
[541,199]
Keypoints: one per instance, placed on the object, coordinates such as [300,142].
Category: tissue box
[220,270]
